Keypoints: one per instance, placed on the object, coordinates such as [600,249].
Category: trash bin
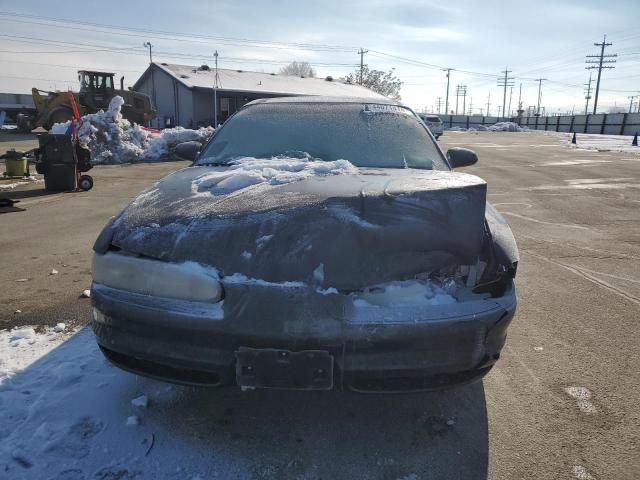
[15,163]
[16,167]
[57,162]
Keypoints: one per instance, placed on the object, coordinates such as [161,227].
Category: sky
[44,47]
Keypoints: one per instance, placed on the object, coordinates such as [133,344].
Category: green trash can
[15,163]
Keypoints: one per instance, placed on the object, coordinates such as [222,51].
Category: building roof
[324,99]
[251,82]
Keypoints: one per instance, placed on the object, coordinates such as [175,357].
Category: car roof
[320,99]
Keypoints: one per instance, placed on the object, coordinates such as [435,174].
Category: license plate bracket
[276,368]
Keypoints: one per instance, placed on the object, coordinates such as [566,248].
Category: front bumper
[375,348]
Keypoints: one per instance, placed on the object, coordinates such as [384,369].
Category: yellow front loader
[96,91]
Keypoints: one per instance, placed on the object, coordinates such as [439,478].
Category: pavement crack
[587,276]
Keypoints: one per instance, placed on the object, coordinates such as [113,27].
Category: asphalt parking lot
[561,403]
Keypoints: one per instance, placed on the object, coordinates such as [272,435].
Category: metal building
[184,95]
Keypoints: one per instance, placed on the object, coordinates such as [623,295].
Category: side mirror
[461,157]
[187,150]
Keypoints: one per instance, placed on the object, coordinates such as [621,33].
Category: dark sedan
[314,243]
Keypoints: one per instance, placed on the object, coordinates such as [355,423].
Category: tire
[85,183]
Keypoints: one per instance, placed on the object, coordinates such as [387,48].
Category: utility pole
[499,107]
[587,96]
[520,110]
[464,99]
[446,103]
[216,85]
[461,91]
[631,98]
[505,82]
[600,63]
[539,80]
[439,104]
[361,52]
[488,104]
[510,95]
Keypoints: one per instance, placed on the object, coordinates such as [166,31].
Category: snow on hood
[112,139]
[248,171]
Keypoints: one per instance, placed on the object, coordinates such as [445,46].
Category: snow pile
[113,139]
[507,127]
[407,293]
[248,171]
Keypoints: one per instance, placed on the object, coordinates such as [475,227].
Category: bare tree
[299,69]
[385,83]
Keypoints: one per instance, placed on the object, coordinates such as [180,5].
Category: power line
[601,63]
[168,35]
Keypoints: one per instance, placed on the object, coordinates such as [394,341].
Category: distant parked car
[434,124]
[314,243]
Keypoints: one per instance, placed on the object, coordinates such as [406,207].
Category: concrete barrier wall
[606,123]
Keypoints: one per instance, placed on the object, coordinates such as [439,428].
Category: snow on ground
[600,143]
[249,171]
[68,414]
[507,127]
[496,127]
[23,181]
[113,139]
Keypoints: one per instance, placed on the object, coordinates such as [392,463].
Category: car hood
[347,231]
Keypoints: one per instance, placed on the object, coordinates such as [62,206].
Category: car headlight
[184,281]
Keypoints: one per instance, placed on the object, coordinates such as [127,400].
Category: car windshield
[433,119]
[368,135]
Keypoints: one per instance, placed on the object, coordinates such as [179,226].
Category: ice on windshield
[367,135]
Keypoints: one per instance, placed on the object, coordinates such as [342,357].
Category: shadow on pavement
[225,433]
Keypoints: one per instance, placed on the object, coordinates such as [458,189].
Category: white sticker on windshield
[378,108]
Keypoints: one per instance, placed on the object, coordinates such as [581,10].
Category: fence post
[604,122]
[450,121]
[467,122]
[558,124]
[624,123]
[573,118]
[537,122]
[586,123]
[546,122]
[483,117]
